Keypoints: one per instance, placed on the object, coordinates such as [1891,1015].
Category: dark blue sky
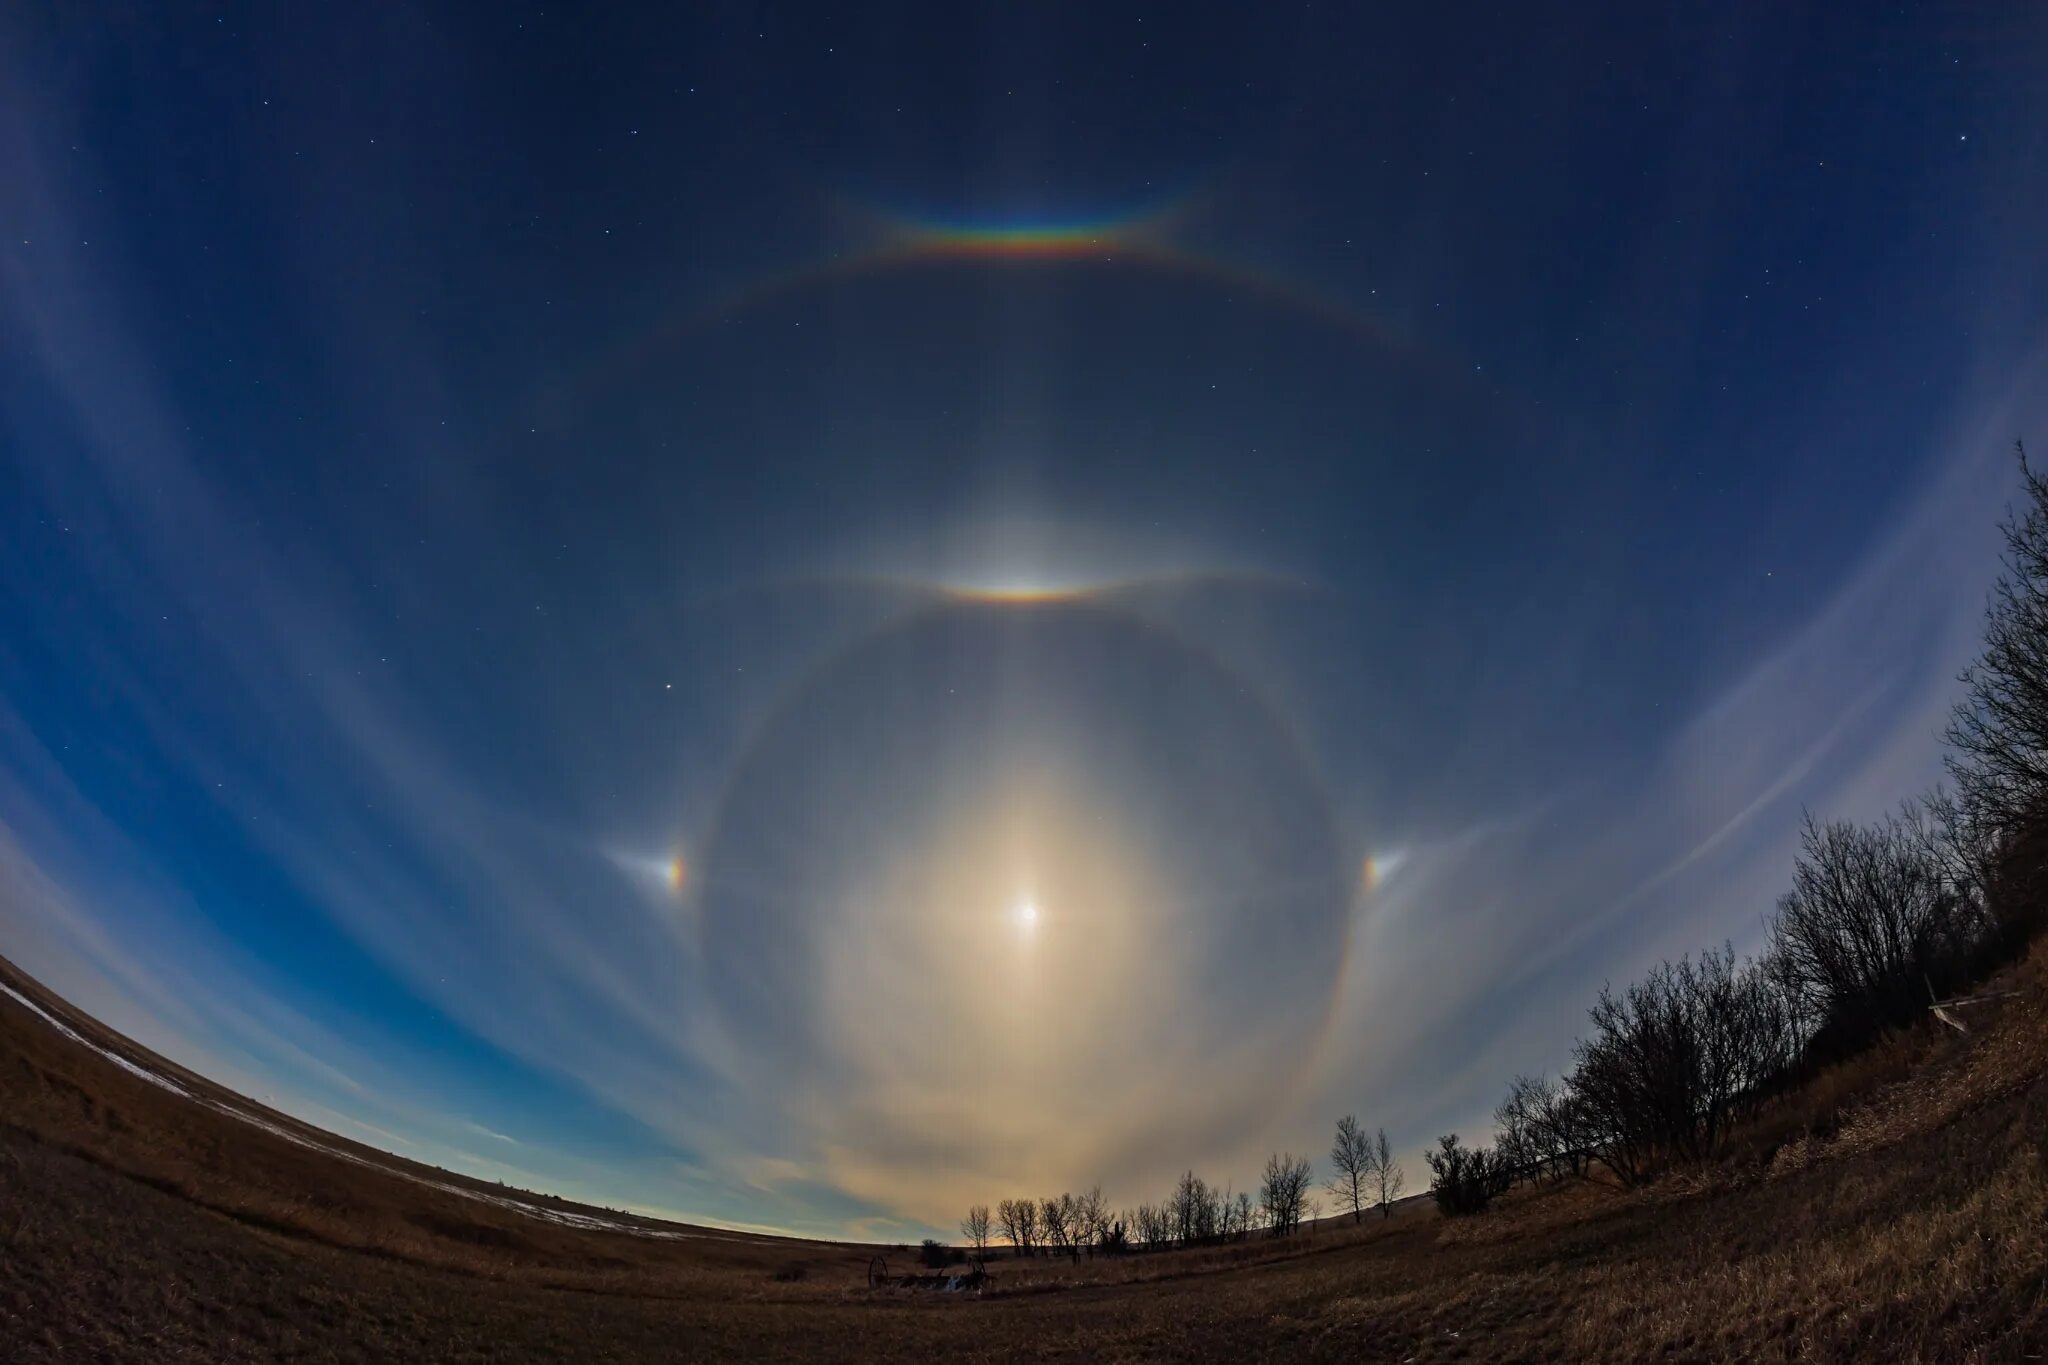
[459,462]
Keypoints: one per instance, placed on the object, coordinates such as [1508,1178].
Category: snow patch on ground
[75,1036]
[561,1217]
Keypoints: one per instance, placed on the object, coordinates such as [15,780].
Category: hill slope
[1897,1210]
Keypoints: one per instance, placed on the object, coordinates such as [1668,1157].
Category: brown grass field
[1894,1210]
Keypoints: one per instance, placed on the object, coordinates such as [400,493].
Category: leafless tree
[1967,853]
[975,1227]
[1351,1167]
[1154,1224]
[1388,1179]
[1999,733]
[1020,1223]
[1465,1179]
[1191,1210]
[1551,1131]
[1055,1223]
[1283,1190]
[1875,913]
[1537,1128]
[1677,1058]
[1515,1137]
[1091,1219]
[1222,1213]
[1208,1216]
[1566,1118]
[1242,1214]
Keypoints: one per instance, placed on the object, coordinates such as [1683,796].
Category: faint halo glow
[1021,589]
[1018,596]
[1025,913]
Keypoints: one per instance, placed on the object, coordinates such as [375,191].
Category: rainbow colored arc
[1144,241]
[1022,241]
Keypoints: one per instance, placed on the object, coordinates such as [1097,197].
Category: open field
[1895,1210]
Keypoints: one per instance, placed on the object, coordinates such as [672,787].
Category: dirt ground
[1898,1211]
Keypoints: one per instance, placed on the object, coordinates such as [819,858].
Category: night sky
[796,618]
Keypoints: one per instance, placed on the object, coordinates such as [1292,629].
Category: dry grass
[1892,1210]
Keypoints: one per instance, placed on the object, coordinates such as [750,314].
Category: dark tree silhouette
[1873,919]
[1999,733]
[1019,1218]
[1191,1210]
[1351,1167]
[1464,1180]
[1676,1058]
[1056,1223]
[1283,1191]
[975,1227]
[1091,1219]
[1388,1179]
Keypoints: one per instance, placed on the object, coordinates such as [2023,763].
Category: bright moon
[1027,915]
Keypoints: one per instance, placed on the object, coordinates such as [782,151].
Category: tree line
[1880,922]
[1197,1213]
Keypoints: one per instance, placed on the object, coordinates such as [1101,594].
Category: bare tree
[1222,1212]
[1020,1223]
[1465,1179]
[1546,1117]
[1875,913]
[1242,1213]
[1521,1136]
[1514,1130]
[1091,1219]
[1351,1167]
[1999,733]
[1190,1210]
[1154,1224]
[1998,736]
[1677,1058]
[1056,1222]
[1208,1212]
[975,1227]
[1388,1179]
[1283,1190]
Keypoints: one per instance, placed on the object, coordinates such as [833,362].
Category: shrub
[1677,1058]
[1877,916]
[1464,1180]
